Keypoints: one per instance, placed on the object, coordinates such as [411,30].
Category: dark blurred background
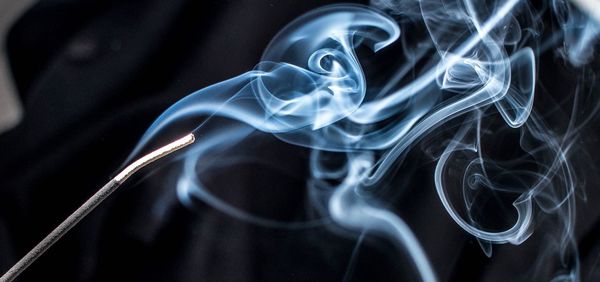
[93,75]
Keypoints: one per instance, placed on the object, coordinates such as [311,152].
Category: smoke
[580,32]
[465,81]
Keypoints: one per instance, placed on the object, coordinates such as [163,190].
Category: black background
[94,74]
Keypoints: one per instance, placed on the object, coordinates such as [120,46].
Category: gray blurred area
[10,106]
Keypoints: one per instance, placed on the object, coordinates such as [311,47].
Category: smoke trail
[580,32]
[475,66]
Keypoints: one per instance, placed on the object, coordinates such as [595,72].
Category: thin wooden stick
[92,203]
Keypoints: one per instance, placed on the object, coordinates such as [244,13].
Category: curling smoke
[478,58]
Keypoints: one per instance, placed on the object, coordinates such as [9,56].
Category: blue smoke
[310,90]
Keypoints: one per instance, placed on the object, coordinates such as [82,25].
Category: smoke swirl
[467,83]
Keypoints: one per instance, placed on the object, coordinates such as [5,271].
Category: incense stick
[92,203]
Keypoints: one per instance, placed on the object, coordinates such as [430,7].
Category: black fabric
[93,75]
